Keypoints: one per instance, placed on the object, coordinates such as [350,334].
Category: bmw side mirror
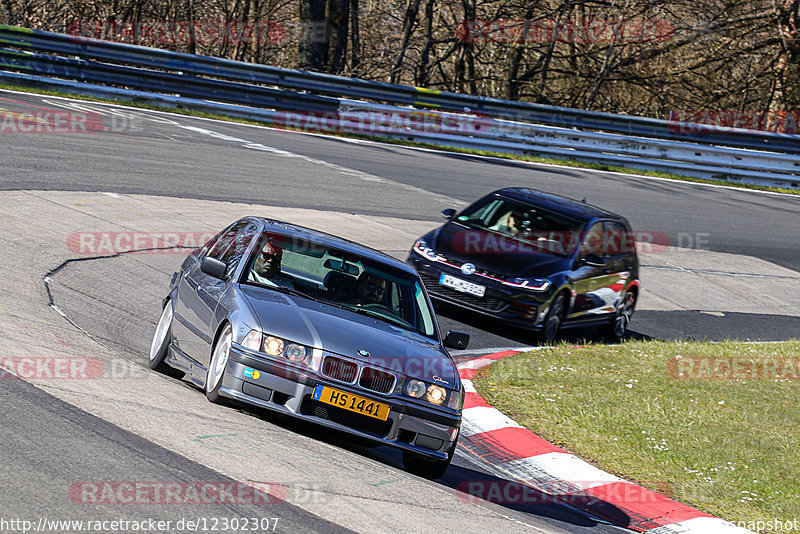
[448,214]
[456,340]
[213,267]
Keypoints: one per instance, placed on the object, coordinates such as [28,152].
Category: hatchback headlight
[532,284]
[422,248]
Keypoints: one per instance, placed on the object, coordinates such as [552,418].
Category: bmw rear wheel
[216,369]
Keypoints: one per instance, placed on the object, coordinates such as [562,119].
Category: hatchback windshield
[343,279]
[535,228]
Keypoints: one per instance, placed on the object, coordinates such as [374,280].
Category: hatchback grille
[377,380]
[339,369]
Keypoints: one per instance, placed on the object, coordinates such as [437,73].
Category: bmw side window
[238,246]
[220,244]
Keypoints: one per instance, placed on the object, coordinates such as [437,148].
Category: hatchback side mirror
[214,267]
[448,214]
[456,340]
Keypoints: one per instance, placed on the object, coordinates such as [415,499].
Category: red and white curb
[540,472]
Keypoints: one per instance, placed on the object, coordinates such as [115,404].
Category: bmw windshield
[342,279]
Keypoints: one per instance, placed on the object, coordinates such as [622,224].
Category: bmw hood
[351,334]
[492,252]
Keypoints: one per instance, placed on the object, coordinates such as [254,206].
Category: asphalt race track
[737,255]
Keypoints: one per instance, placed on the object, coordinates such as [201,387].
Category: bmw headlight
[422,248]
[294,352]
[415,388]
[430,392]
[436,394]
[532,284]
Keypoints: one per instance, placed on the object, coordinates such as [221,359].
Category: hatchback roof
[570,207]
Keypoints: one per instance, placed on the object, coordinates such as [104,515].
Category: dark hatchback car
[317,327]
[534,260]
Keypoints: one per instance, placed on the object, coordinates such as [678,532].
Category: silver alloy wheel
[624,314]
[161,332]
[219,360]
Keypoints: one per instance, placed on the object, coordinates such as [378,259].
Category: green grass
[517,157]
[726,446]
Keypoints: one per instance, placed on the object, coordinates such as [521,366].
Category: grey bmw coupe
[317,327]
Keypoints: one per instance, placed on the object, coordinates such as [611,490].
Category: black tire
[159,348]
[554,318]
[216,368]
[425,467]
[620,323]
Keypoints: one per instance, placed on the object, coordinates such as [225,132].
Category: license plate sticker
[351,402]
[462,285]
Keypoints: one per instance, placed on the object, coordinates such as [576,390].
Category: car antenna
[584,200]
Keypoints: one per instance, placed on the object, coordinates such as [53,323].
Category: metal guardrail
[272,94]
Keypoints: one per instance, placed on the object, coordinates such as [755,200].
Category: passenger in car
[370,289]
[512,223]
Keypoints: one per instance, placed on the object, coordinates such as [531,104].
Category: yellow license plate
[351,402]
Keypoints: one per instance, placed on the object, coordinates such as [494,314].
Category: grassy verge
[517,157]
[682,418]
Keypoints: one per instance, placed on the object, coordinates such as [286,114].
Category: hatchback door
[593,277]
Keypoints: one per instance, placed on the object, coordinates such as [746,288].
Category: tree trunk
[313,46]
[409,21]
[338,22]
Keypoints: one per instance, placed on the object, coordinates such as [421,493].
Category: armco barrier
[258,91]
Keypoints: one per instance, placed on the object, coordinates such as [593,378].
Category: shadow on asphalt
[470,485]
[490,332]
